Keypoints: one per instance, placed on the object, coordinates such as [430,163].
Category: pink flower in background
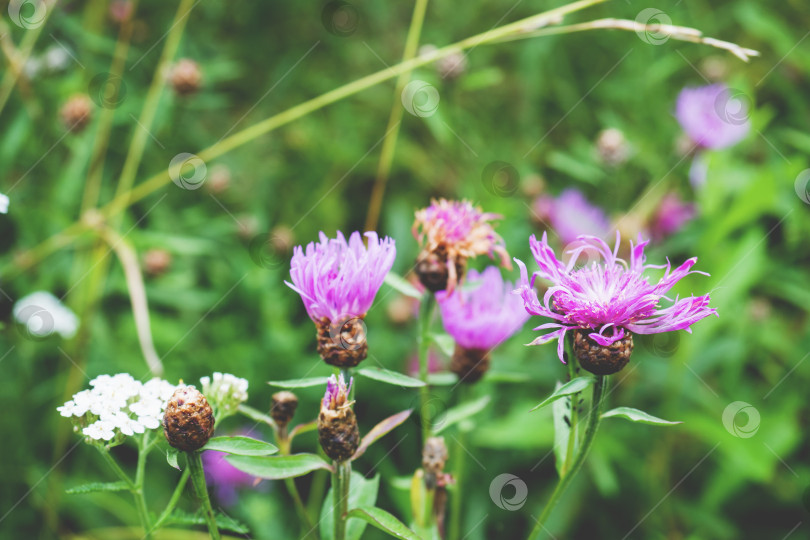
[712,116]
[608,298]
[672,214]
[571,215]
[226,479]
[484,316]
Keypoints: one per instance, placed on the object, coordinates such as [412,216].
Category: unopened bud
[434,458]
[185,77]
[283,407]
[337,426]
[77,112]
[189,421]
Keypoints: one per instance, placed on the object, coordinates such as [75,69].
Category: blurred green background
[221,304]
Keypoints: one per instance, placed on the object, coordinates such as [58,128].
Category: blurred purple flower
[338,279]
[224,477]
[610,298]
[672,214]
[712,116]
[571,215]
[485,316]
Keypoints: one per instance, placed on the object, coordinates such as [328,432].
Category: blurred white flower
[225,392]
[43,314]
[4,200]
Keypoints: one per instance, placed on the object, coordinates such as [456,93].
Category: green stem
[124,200]
[144,447]
[425,315]
[459,462]
[395,118]
[115,467]
[136,487]
[340,496]
[284,446]
[178,491]
[574,417]
[587,441]
[198,480]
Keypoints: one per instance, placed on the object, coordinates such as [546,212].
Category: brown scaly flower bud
[469,364]
[189,421]
[283,407]
[156,261]
[450,232]
[77,112]
[337,426]
[599,359]
[185,77]
[343,342]
[434,457]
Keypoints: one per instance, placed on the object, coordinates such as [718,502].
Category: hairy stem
[178,491]
[587,441]
[198,480]
[574,417]
[425,316]
[340,496]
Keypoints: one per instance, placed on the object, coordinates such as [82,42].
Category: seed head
[189,421]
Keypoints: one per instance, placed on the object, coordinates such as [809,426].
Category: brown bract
[601,360]
[283,407]
[434,458]
[338,432]
[342,343]
[189,421]
[469,364]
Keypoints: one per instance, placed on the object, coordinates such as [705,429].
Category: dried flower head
[225,392]
[479,317]
[434,458]
[608,300]
[156,261]
[189,421]
[185,77]
[450,232]
[612,147]
[117,406]
[337,426]
[77,112]
[337,281]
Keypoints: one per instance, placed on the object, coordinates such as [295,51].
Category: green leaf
[446,378]
[300,383]
[383,521]
[277,467]
[505,377]
[241,446]
[571,387]
[399,283]
[303,428]
[561,409]
[171,457]
[256,415]
[94,487]
[635,415]
[226,523]
[446,343]
[390,377]
[379,430]
[458,413]
[362,493]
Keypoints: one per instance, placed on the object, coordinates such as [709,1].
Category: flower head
[117,406]
[225,392]
[337,393]
[450,232]
[711,116]
[608,300]
[338,279]
[483,317]
[338,433]
[572,215]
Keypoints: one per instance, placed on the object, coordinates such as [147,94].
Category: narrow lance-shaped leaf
[383,521]
[94,487]
[446,343]
[571,387]
[171,457]
[561,413]
[303,428]
[257,415]
[390,377]
[241,446]
[379,430]
[635,415]
[458,413]
[399,283]
[227,523]
[278,467]
[300,383]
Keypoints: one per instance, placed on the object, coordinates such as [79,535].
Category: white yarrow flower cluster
[225,392]
[118,406]
[43,314]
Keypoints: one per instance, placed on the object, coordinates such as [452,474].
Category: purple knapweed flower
[607,300]
[337,392]
[450,232]
[712,117]
[337,281]
[479,319]
[670,216]
[571,215]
